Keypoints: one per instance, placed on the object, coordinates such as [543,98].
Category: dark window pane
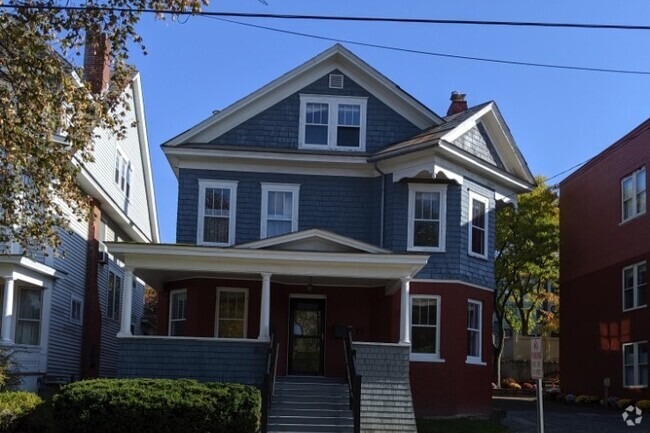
[425,233]
[423,340]
[316,134]
[478,214]
[478,241]
[348,136]
[216,230]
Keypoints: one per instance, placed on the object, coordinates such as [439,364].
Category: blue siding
[345,205]
[203,360]
[277,127]
[477,142]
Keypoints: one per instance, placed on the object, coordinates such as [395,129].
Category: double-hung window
[633,194]
[478,225]
[427,217]
[635,364]
[279,209]
[113,304]
[177,312]
[76,309]
[28,323]
[333,122]
[123,171]
[425,328]
[217,206]
[635,286]
[232,312]
[474,330]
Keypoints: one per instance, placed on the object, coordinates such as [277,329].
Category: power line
[593,26]
[220,15]
[437,54]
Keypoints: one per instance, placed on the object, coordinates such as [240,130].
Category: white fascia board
[483,169]
[138,104]
[269,162]
[317,233]
[300,263]
[336,57]
[90,186]
[28,270]
[505,148]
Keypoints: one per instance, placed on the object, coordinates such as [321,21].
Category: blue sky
[558,118]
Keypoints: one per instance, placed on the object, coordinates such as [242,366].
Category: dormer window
[333,122]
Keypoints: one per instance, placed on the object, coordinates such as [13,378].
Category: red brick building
[605,247]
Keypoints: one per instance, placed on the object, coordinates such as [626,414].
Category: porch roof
[159,263]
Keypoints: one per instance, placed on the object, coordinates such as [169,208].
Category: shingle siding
[477,142]
[202,360]
[277,127]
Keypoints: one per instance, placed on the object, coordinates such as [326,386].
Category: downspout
[381,205]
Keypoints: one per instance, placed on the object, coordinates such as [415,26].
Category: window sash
[76,310]
[633,194]
[635,286]
[635,364]
[425,325]
[216,216]
[232,313]
[333,122]
[113,307]
[177,312]
[28,323]
[426,217]
[474,329]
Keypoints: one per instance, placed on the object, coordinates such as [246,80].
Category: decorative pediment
[313,240]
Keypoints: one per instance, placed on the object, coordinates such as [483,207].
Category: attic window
[336,81]
[330,122]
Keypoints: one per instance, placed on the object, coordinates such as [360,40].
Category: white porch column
[8,311]
[405,316]
[265,307]
[127,303]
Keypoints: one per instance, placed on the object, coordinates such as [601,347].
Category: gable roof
[336,57]
[443,137]
[315,240]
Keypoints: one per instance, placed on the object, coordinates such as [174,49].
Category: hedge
[15,407]
[157,406]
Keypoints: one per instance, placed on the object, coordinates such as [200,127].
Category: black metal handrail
[354,380]
[268,387]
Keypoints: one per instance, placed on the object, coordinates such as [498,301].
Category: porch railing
[354,381]
[268,387]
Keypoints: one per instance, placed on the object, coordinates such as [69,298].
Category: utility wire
[345,18]
[219,15]
[437,54]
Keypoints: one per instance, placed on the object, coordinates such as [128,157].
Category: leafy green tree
[48,116]
[527,262]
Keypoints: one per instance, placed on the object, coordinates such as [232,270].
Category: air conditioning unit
[103,257]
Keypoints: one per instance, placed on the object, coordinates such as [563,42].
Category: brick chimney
[458,103]
[97,69]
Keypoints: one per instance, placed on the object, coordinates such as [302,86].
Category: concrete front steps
[310,404]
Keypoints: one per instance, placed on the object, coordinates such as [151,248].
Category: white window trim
[635,286]
[637,375]
[279,187]
[171,300]
[79,299]
[125,170]
[116,314]
[421,187]
[427,357]
[474,196]
[216,311]
[222,184]
[333,103]
[477,359]
[632,176]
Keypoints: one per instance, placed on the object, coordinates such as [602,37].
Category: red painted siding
[594,248]
[453,386]
[446,388]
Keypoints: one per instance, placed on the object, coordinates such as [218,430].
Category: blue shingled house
[331,209]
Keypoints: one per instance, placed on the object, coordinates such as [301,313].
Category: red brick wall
[453,386]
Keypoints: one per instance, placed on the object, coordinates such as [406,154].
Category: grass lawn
[461,425]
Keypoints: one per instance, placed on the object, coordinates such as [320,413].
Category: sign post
[537,373]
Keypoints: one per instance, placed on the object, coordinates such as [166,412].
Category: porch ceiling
[159,263]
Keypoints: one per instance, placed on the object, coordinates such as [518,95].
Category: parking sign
[536,359]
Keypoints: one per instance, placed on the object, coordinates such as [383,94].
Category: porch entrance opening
[306,336]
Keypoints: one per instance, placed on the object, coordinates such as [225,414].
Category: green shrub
[15,407]
[643,404]
[587,399]
[157,405]
[623,403]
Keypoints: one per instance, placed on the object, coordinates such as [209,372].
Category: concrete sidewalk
[521,417]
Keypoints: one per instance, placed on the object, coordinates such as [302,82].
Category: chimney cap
[457,96]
